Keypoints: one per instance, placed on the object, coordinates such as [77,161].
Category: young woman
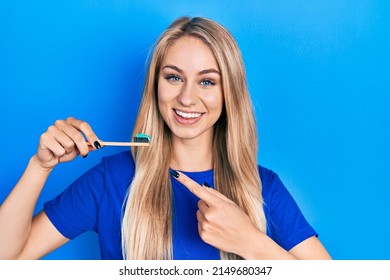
[195,193]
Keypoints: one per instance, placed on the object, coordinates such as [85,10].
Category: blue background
[318,72]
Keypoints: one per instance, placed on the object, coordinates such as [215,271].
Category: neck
[191,154]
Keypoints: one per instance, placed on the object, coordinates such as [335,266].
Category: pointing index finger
[193,187]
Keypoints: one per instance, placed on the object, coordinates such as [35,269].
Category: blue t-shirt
[94,203]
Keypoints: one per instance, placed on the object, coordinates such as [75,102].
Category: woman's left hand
[221,223]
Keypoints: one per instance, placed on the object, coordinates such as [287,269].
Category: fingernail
[206,185]
[174,173]
[97,145]
[85,156]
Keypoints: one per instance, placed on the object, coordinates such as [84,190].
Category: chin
[185,135]
[188,134]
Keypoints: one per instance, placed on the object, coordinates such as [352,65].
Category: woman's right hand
[64,140]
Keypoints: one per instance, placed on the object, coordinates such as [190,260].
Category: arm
[21,235]
[43,238]
[260,246]
[224,225]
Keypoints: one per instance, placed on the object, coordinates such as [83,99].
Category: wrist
[254,246]
[261,247]
[38,167]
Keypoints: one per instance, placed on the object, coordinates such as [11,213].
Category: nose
[187,96]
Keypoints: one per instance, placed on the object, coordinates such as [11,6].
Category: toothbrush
[140,140]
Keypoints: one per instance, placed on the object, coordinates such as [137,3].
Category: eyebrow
[205,71]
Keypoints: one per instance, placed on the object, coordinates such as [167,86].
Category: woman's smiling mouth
[187,117]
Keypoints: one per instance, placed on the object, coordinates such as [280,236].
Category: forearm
[17,210]
[258,246]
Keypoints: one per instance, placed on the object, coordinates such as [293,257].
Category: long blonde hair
[147,220]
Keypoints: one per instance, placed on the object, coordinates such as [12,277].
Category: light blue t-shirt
[94,203]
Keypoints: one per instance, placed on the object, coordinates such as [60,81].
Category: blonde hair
[147,220]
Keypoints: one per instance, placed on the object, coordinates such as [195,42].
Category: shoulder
[119,160]
[112,172]
[286,224]
[118,167]
[270,180]
[267,176]
[99,192]
[273,189]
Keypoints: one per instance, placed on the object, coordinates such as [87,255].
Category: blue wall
[318,72]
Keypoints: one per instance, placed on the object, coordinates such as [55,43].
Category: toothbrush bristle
[142,138]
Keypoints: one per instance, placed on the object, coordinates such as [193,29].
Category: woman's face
[190,95]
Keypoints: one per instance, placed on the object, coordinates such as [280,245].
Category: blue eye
[173,78]
[207,83]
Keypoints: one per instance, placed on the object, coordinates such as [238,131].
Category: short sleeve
[286,223]
[75,210]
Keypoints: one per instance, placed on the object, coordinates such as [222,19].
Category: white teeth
[188,115]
